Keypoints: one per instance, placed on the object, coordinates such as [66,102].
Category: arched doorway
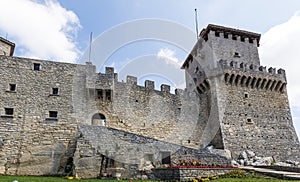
[98,119]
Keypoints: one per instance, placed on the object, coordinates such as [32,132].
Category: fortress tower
[247,103]
[6,47]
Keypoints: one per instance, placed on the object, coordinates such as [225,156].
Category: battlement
[105,81]
[253,76]
[230,33]
[148,84]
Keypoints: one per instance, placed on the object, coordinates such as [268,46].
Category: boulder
[264,161]
[243,155]
[250,154]
[241,162]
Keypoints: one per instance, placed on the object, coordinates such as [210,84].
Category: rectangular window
[108,95]
[36,66]
[9,111]
[166,157]
[54,91]
[53,114]
[12,87]
[100,94]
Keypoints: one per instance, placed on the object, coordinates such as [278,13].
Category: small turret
[7,48]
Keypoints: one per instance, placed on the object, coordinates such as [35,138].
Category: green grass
[58,179]
[248,180]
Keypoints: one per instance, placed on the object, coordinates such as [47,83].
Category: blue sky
[59,30]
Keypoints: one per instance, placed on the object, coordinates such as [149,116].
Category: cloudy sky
[135,35]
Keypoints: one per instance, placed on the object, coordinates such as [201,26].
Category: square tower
[6,47]
[246,104]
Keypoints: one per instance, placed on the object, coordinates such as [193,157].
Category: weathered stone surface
[231,102]
[128,148]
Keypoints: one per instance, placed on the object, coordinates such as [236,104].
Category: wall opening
[9,111]
[54,91]
[249,121]
[12,87]
[36,66]
[165,157]
[52,114]
[98,119]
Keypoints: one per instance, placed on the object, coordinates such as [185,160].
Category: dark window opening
[197,69]
[12,87]
[55,91]
[188,141]
[53,114]
[9,111]
[251,41]
[136,100]
[108,95]
[217,34]
[36,66]
[166,157]
[249,120]
[243,39]
[237,55]
[100,94]
[234,37]
[246,95]
[226,35]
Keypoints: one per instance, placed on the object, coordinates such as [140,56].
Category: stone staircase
[278,172]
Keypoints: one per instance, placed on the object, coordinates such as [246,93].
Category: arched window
[98,119]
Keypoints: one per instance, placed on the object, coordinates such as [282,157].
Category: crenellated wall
[257,115]
[247,103]
[230,101]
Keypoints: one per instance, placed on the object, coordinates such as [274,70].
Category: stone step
[273,173]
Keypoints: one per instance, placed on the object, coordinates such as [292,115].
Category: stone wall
[248,103]
[129,151]
[261,120]
[32,141]
[187,174]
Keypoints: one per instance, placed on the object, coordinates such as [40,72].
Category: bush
[235,174]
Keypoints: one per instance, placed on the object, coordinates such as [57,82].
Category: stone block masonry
[230,102]
[128,150]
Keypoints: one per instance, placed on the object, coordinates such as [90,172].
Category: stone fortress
[59,118]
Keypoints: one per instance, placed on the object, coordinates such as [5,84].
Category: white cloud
[41,30]
[280,48]
[169,57]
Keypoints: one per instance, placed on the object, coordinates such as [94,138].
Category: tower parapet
[230,33]
[253,76]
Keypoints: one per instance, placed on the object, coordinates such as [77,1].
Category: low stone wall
[130,152]
[187,173]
